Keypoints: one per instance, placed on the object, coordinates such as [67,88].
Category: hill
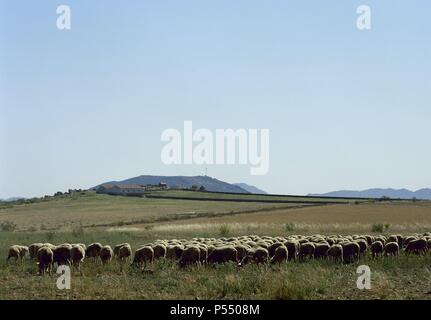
[210,184]
[250,188]
[424,194]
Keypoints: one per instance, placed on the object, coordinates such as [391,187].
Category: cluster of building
[129,190]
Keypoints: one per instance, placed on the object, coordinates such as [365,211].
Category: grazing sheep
[203,254]
[376,248]
[223,254]
[363,245]
[392,248]
[417,246]
[280,255]
[292,248]
[123,251]
[260,255]
[23,251]
[335,252]
[400,240]
[191,255]
[93,250]
[321,250]
[159,251]
[117,248]
[106,254]
[241,252]
[45,259]
[77,255]
[306,250]
[407,240]
[83,246]
[351,251]
[62,254]
[369,239]
[33,248]
[273,247]
[174,252]
[14,252]
[143,255]
[392,238]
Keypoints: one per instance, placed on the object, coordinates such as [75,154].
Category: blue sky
[346,109]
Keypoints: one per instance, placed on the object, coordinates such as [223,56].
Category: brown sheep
[93,250]
[392,248]
[45,259]
[241,252]
[143,255]
[260,255]
[13,252]
[17,251]
[77,255]
[417,246]
[106,254]
[191,255]
[280,255]
[203,254]
[376,248]
[369,239]
[321,250]
[33,248]
[159,251]
[306,250]
[273,247]
[174,252]
[335,252]
[117,248]
[407,240]
[83,246]
[223,254]
[363,245]
[123,251]
[62,254]
[351,251]
[392,238]
[292,248]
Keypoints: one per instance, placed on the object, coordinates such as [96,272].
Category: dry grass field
[401,217]
[66,212]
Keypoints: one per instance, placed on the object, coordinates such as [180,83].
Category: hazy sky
[346,109]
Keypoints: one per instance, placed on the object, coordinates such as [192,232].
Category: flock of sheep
[240,250]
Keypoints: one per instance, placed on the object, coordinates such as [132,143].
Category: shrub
[224,230]
[289,227]
[377,227]
[7,226]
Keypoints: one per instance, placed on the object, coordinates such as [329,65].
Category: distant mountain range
[249,188]
[210,184]
[424,194]
[12,199]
